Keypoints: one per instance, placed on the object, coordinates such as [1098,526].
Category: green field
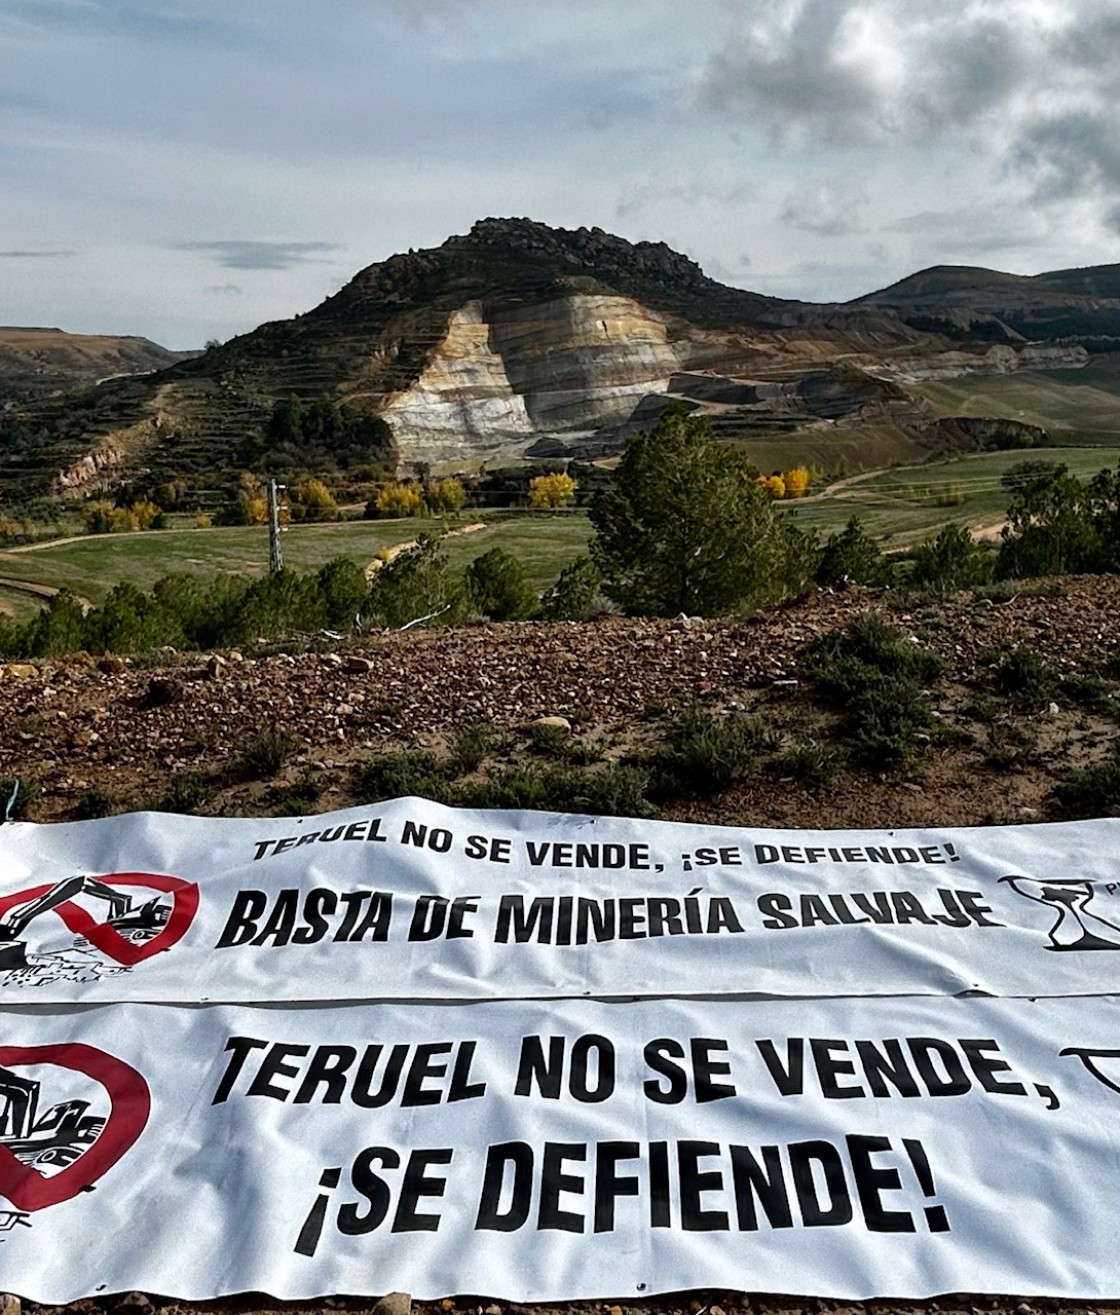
[1083,402]
[900,506]
[544,543]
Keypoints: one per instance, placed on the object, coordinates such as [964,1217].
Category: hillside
[963,301]
[519,339]
[35,363]
[180,736]
[483,346]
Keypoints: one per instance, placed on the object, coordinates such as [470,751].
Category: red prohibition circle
[107,939]
[130,1106]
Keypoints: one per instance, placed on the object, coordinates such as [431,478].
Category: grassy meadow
[544,542]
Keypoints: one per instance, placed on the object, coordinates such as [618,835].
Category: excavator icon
[138,922]
[55,1137]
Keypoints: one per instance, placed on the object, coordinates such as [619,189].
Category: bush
[395,775]
[952,560]
[1023,677]
[852,557]
[875,675]
[573,596]
[267,752]
[497,587]
[1091,791]
[413,585]
[616,791]
[705,753]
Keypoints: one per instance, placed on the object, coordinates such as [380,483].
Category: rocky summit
[520,339]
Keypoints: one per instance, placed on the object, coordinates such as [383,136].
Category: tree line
[685,526]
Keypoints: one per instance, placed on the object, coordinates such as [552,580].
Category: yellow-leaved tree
[552,491]
[445,497]
[775,485]
[396,499]
[797,482]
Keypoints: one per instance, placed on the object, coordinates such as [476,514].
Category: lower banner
[532,1151]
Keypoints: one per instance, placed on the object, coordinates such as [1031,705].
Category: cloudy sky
[186,169]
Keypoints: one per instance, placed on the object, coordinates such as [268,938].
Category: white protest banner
[412,900]
[563,1150]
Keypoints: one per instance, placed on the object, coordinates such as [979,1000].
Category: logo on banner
[1104,1065]
[68,1113]
[1076,926]
[83,928]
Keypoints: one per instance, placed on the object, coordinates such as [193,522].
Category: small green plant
[410,772]
[1008,747]
[267,752]
[704,753]
[298,797]
[807,761]
[187,792]
[96,803]
[1024,678]
[1090,791]
[618,790]
[875,675]
[1093,693]
[470,748]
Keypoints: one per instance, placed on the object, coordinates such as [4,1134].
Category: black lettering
[836,1209]
[416,1186]
[609,1183]
[371,1186]
[693,1183]
[241,924]
[327,1068]
[871,1183]
[491,1218]
[657,1056]
[554,1181]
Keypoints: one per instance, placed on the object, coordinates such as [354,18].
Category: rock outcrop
[517,338]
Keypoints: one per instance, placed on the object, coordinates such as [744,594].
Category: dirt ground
[126,729]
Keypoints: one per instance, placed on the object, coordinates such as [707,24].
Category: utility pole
[275,556]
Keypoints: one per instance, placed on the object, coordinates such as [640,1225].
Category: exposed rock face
[1000,359]
[511,374]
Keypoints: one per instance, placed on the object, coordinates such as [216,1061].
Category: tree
[445,497]
[797,481]
[1054,526]
[316,500]
[686,528]
[573,595]
[413,584]
[497,587]
[395,499]
[552,491]
[852,557]
[952,560]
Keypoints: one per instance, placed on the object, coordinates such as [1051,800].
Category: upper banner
[562,1151]
[410,900]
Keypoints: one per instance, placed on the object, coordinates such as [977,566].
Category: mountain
[514,338]
[35,363]
[962,301]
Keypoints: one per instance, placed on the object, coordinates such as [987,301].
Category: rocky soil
[126,729]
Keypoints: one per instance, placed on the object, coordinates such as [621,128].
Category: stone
[134,1303]
[19,670]
[556,723]
[111,665]
[359,666]
[216,666]
[394,1303]
[10,1304]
